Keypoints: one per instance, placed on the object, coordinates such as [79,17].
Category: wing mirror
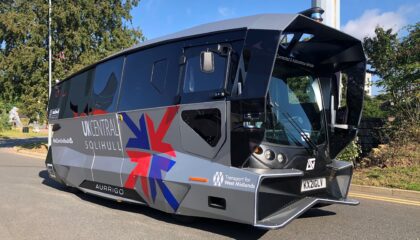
[339,117]
[207,61]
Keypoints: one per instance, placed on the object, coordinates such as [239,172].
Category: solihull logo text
[102,128]
[143,149]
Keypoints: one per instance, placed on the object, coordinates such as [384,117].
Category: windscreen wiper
[294,139]
[301,132]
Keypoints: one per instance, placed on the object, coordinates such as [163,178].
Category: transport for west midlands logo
[218,179]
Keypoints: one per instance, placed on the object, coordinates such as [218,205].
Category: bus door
[203,106]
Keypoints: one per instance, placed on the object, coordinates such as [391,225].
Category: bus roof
[277,22]
[259,22]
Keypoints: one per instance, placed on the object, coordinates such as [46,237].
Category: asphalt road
[34,207]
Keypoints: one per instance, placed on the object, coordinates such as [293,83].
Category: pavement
[34,207]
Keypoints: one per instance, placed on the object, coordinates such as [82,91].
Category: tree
[372,107]
[83,32]
[396,62]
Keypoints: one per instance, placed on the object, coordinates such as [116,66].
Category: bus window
[78,98]
[158,78]
[196,80]
[106,86]
[150,78]
[58,100]
[206,123]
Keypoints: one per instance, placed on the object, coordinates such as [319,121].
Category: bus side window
[150,78]
[106,86]
[58,100]
[196,80]
[158,78]
[79,94]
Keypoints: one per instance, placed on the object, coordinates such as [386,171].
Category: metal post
[331,15]
[49,67]
[331,18]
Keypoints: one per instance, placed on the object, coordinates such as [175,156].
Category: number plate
[313,184]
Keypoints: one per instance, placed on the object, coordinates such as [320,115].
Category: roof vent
[315,13]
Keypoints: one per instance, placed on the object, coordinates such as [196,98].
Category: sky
[358,17]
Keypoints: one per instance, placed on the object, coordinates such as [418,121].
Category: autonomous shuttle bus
[239,120]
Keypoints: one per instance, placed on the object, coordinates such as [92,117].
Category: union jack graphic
[154,155]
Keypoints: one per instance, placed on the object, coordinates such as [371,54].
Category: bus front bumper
[279,198]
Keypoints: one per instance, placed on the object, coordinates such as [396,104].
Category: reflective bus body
[239,120]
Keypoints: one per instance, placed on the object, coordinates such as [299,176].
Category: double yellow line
[384,199]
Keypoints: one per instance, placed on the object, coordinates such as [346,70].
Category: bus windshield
[295,114]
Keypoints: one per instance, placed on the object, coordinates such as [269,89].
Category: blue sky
[358,17]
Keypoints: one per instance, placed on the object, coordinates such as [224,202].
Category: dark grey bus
[239,120]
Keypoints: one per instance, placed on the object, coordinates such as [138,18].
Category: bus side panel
[72,157]
[103,136]
[150,141]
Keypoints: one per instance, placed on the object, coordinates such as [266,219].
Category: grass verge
[407,177]
[17,134]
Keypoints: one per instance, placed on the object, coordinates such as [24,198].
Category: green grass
[407,177]
[15,134]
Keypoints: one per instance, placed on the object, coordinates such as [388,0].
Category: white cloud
[225,11]
[365,25]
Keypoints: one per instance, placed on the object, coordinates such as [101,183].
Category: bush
[4,117]
[372,108]
[351,153]
[4,122]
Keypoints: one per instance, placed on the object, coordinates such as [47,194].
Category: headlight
[269,155]
[280,158]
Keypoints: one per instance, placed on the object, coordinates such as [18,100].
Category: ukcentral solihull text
[102,134]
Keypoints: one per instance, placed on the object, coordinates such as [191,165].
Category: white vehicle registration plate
[313,184]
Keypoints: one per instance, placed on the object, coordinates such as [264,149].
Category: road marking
[385,199]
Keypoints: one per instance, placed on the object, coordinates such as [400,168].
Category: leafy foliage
[397,63]
[82,31]
[351,153]
[372,107]
[4,117]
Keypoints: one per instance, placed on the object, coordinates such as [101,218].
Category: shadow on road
[228,229]
[8,142]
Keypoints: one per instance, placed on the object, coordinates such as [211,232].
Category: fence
[370,134]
